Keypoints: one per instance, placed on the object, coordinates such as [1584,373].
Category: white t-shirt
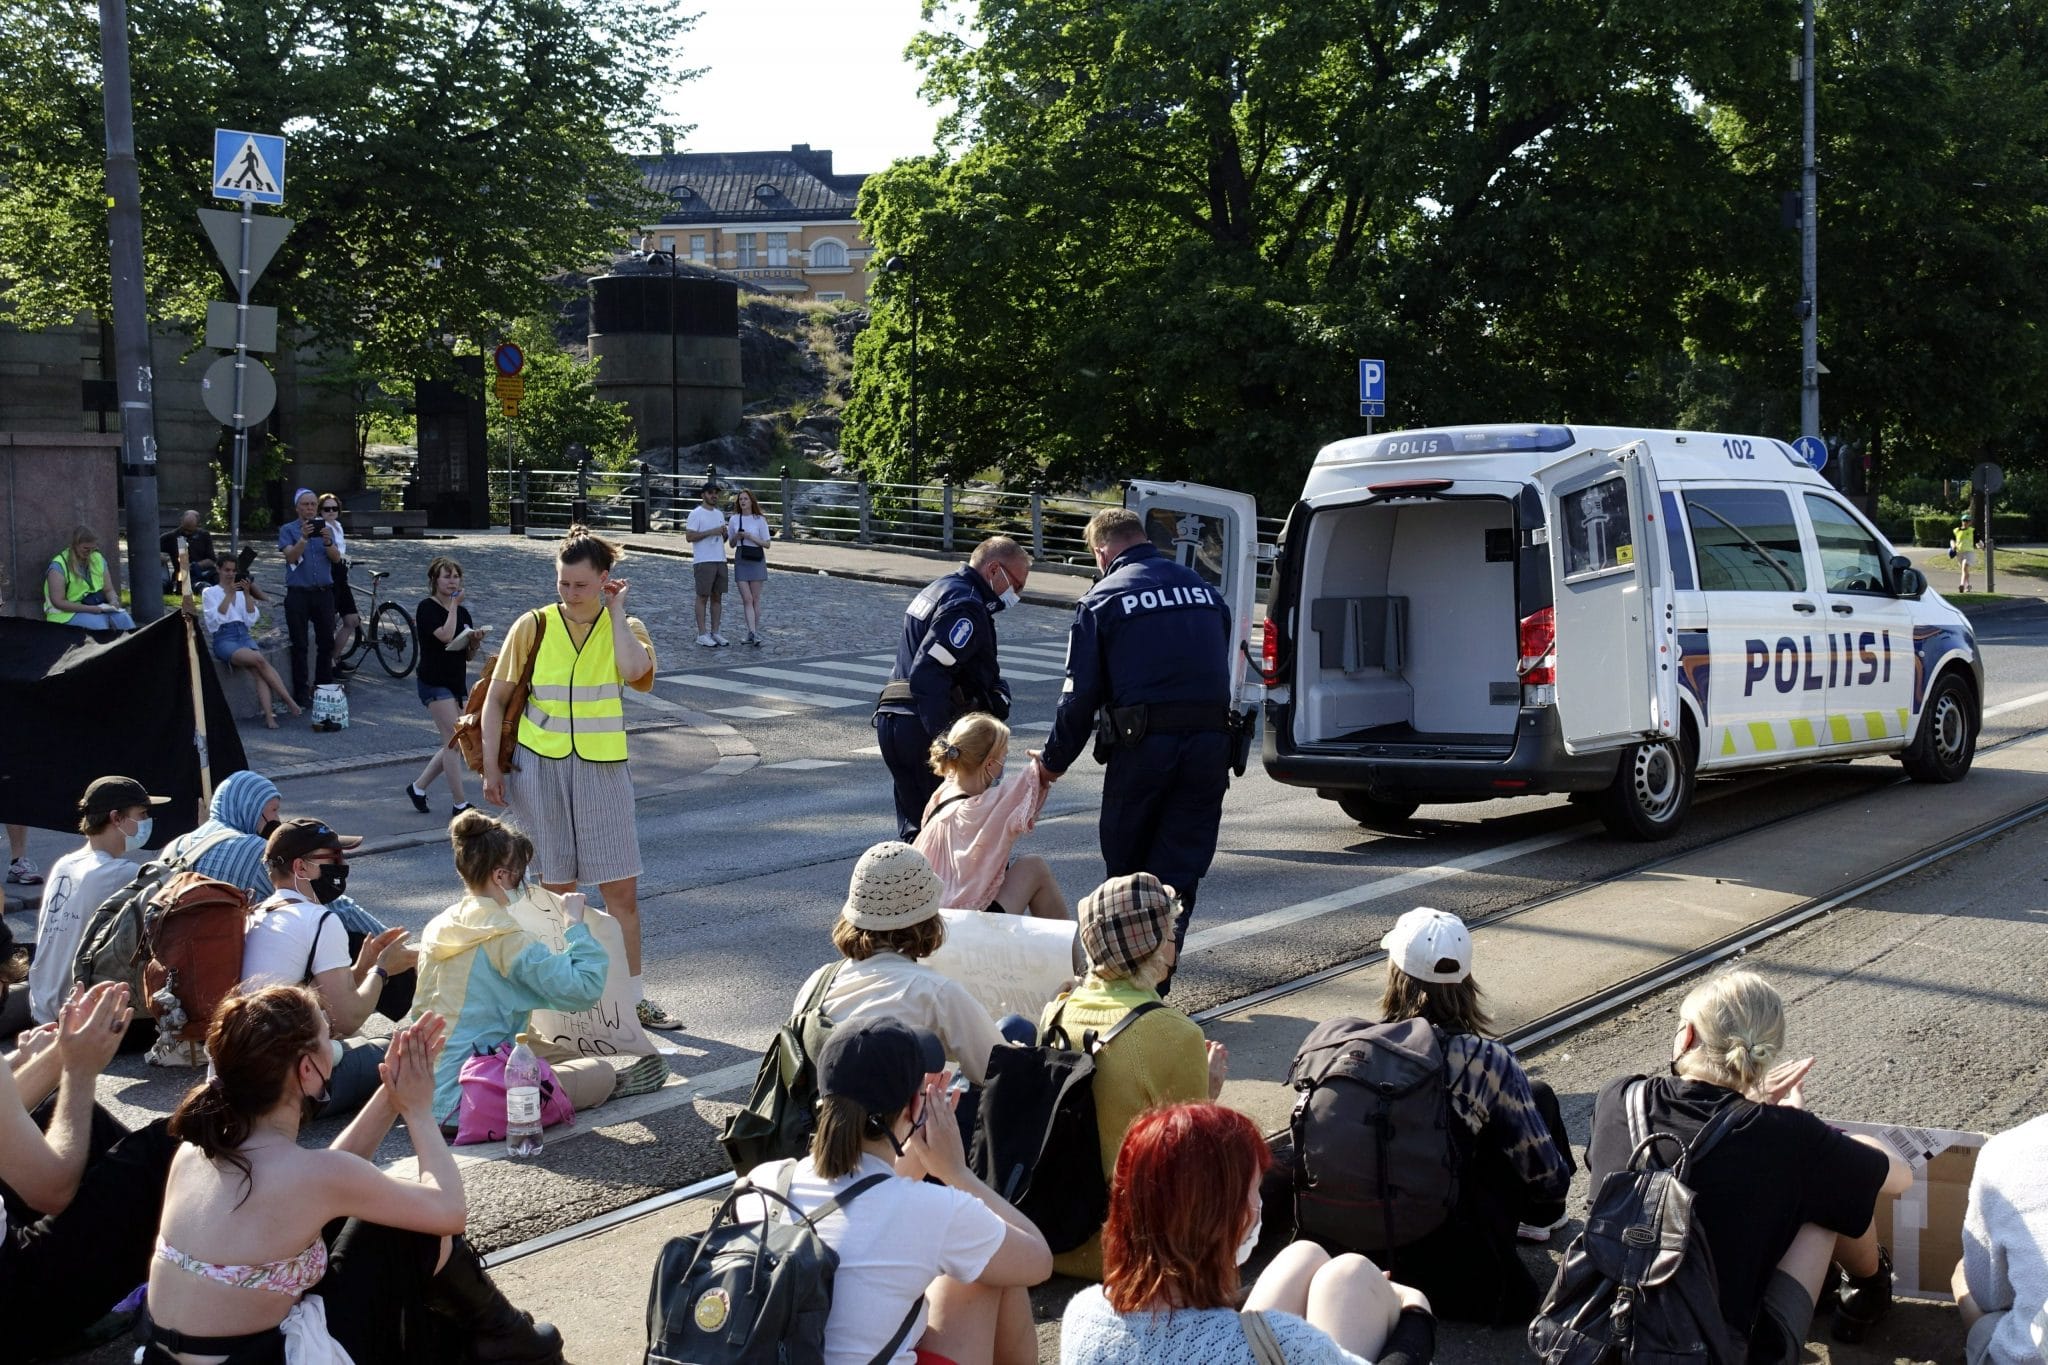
[753,526]
[711,549]
[78,883]
[279,942]
[891,984]
[893,1241]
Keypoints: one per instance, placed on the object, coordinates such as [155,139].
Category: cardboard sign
[1924,1226]
[1012,964]
[612,1028]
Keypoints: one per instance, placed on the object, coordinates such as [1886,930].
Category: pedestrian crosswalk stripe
[1053,651]
[1021,675]
[865,670]
[872,751]
[804,765]
[747,688]
[792,675]
[748,712]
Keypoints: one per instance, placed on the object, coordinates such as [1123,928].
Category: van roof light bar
[1407,488]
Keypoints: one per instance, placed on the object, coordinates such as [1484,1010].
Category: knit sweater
[1160,1059]
[1093,1333]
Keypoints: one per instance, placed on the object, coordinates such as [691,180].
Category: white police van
[1465,613]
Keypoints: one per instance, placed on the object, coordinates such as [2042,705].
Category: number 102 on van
[1372,388]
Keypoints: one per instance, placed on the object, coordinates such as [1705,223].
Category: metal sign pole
[241,460]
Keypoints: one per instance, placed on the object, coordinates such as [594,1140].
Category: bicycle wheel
[391,632]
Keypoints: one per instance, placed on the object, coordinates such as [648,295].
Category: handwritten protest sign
[1012,964]
[612,1029]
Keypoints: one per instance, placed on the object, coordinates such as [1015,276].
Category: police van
[1466,613]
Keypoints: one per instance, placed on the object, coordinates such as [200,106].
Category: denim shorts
[429,694]
[229,638]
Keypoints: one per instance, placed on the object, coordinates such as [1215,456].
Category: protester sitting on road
[889,922]
[229,846]
[486,974]
[1184,1215]
[974,819]
[1783,1196]
[114,815]
[1126,930]
[81,1193]
[1516,1166]
[448,641]
[2001,1284]
[199,552]
[14,1006]
[229,609]
[245,1267]
[883,1110]
[296,937]
[76,590]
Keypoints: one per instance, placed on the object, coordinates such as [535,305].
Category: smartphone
[958,1085]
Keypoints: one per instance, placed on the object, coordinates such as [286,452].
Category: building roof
[729,187]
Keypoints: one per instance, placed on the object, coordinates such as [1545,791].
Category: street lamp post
[901,265]
[675,444]
[1809,193]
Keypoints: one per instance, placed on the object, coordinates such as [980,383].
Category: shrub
[2010,526]
[1932,528]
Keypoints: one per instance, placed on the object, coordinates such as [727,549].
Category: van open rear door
[1616,644]
[1215,532]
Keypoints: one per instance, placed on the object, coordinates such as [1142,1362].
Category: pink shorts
[925,1357]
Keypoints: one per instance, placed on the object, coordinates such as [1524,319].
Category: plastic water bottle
[522,1103]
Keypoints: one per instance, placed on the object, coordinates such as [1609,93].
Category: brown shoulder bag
[469,726]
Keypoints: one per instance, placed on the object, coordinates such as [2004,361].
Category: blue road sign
[1372,409]
[249,164]
[1813,450]
[1372,384]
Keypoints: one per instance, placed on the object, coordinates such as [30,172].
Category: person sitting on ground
[1783,1196]
[1126,930]
[1184,1216]
[296,937]
[935,1273]
[246,1266]
[198,550]
[229,610]
[14,1006]
[1516,1166]
[889,923]
[79,1193]
[77,590]
[114,815]
[2001,1283]
[229,845]
[974,819]
[486,974]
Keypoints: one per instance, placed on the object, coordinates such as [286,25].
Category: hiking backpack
[192,932]
[752,1293]
[1038,1144]
[1638,1284]
[1377,1148]
[781,1111]
[112,945]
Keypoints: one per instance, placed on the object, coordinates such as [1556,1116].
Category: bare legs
[973,1324]
[1346,1296]
[716,606]
[622,903]
[267,682]
[1030,888]
[1815,1248]
[750,603]
[345,633]
[446,761]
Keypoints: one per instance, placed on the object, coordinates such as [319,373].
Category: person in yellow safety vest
[75,590]
[1963,545]
[567,783]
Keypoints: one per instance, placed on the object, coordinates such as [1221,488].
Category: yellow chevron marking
[1875,719]
[1839,731]
[1761,734]
[1802,734]
[1728,749]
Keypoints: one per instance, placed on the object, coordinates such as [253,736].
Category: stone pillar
[49,483]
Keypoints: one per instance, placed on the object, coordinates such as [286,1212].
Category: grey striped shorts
[579,815]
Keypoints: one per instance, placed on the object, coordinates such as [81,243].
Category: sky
[827,72]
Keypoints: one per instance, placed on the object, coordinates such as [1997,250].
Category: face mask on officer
[1008,595]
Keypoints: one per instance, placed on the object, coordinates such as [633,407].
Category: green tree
[559,409]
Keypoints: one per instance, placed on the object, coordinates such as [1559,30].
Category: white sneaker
[719,640]
[707,640]
[1534,1232]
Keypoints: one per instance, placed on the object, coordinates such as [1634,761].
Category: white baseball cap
[1430,945]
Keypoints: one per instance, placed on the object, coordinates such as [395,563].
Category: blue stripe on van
[1675,548]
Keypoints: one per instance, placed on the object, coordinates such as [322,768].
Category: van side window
[1851,560]
[1598,534]
[1745,540]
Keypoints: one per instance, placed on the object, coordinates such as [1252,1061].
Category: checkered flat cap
[1124,920]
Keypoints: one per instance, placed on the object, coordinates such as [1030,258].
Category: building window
[744,241]
[832,298]
[697,246]
[829,255]
[778,248]
[668,244]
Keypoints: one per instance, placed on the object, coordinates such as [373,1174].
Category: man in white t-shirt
[293,939]
[115,817]
[705,530]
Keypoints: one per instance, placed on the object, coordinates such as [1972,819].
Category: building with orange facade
[780,221]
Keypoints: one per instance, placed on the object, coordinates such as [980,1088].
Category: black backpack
[781,1111]
[1038,1145]
[1377,1148]
[752,1293]
[1638,1285]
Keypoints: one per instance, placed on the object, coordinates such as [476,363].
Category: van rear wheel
[1375,813]
[1651,792]
[1947,739]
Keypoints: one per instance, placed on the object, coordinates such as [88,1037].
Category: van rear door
[1215,532]
[1615,641]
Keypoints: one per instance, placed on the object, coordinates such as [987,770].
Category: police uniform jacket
[948,654]
[1151,631]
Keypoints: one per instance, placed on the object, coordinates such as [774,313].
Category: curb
[1036,599]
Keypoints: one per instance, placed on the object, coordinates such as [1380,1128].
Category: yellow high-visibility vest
[578,701]
[76,587]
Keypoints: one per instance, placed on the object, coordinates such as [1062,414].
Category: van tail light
[1537,646]
[1269,651]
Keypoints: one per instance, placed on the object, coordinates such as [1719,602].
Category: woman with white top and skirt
[229,609]
[347,615]
[747,529]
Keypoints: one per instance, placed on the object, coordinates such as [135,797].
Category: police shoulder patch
[961,633]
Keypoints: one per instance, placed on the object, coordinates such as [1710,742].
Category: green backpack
[781,1111]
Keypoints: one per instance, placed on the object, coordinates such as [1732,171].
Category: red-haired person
[1184,1215]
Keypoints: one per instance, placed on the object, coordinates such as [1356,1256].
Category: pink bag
[480,1114]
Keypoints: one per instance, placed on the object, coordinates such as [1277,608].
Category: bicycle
[390,635]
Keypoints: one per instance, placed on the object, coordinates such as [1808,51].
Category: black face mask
[269,828]
[310,1105]
[332,881]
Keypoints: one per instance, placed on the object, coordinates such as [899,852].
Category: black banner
[75,706]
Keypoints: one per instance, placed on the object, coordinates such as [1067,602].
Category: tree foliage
[1165,232]
[561,407]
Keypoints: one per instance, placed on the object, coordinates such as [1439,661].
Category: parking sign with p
[1372,388]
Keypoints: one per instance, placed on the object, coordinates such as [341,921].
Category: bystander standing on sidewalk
[748,530]
[706,531]
[347,615]
[448,641]
[310,554]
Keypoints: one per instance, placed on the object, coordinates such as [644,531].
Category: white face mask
[1008,596]
[1251,1237]
[139,837]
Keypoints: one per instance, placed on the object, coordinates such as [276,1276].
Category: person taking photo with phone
[310,552]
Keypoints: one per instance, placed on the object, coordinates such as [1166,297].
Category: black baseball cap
[295,839]
[109,794]
[878,1063]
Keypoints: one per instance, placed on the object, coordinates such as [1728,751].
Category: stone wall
[49,483]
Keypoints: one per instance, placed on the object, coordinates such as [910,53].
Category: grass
[2032,563]
[1974,599]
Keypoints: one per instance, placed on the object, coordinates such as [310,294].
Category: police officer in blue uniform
[1150,650]
[945,667]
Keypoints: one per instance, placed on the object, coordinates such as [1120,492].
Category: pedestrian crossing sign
[250,164]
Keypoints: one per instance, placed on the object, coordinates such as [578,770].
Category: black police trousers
[907,750]
[1162,800]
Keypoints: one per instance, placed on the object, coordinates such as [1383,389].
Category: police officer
[946,667]
[1150,647]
